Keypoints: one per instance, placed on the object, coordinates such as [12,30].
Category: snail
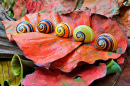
[25,27]
[63,29]
[106,42]
[84,34]
[45,26]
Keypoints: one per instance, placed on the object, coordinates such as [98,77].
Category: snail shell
[63,29]
[106,42]
[25,27]
[84,34]
[45,26]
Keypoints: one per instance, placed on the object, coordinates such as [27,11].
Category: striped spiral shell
[106,42]
[25,27]
[84,34]
[45,26]
[63,29]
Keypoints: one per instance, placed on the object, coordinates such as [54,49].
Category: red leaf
[120,60]
[101,24]
[46,77]
[44,48]
[86,53]
[19,9]
[74,19]
[58,6]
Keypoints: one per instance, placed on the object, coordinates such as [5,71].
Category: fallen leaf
[77,77]
[120,2]
[23,7]
[120,60]
[19,9]
[44,48]
[124,19]
[86,53]
[33,48]
[104,7]
[20,66]
[112,68]
[58,6]
[124,77]
[74,19]
[7,75]
[101,24]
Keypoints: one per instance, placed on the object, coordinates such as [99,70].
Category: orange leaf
[86,53]
[65,61]
[44,48]
[74,19]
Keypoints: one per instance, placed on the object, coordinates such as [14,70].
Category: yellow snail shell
[84,34]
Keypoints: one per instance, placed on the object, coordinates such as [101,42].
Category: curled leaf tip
[112,67]
[16,65]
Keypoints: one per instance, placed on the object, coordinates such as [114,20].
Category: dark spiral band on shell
[47,26]
[59,30]
[26,26]
[63,29]
[82,34]
[109,40]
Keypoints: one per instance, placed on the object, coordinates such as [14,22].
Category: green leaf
[113,67]
[20,66]
[7,75]
[8,6]
[3,1]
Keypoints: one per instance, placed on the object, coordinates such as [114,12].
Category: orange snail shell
[25,27]
[45,26]
[106,42]
[63,29]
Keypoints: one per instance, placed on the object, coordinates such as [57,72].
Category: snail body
[25,27]
[45,26]
[63,29]
[106,42]
[84,34]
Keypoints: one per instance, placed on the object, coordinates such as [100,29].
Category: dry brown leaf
[124,19]
[104,7]
[120,2]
